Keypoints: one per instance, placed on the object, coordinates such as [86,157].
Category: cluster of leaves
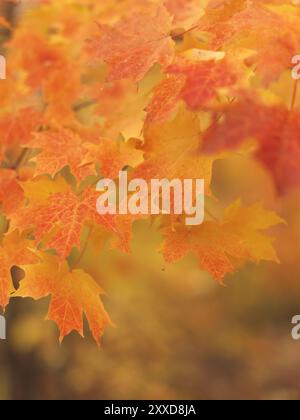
[162,88]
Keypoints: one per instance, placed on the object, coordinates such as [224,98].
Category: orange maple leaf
[203,79]
[195,82]
[114,156]
[61,217]
[41,60]
[185,12]
[11,193]
[274,127]
[73,294]
[135,43]
[13,251]
[49,161]
[50,69]
[18,128]
[165,98]
[251,24]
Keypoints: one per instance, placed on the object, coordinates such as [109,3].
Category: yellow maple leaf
[222,247]
[172,150]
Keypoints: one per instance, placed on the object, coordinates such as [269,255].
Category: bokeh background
[179,334]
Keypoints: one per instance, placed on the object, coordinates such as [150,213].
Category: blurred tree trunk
[18,366]
[7,10]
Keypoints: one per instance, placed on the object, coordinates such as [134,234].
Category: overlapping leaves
[159,88]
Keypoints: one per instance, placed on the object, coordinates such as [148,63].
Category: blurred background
[178,335]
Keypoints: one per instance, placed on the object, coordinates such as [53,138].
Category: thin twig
[294,95]
[83,250]
[21,159]
[181,34]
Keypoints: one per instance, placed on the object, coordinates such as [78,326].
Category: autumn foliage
[163,89]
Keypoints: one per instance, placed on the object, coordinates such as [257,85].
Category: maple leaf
[51,162]
[222,247]
[121,105]
[225,19]
[11,193]
[39,190]
[203,79]
[61,91]
[18,128]
[14,250]
[195,82]
[41,60]
[114,156]
[135,43]
[73,294]
[62,218]
[165,98]
[250,24]
[172,67]
[185,12]
[50,68]
[274,127]
[172,150]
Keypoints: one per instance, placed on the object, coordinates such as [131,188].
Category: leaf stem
[294,95]
[211,214]
[83,250]
[21,159]
[181,34]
